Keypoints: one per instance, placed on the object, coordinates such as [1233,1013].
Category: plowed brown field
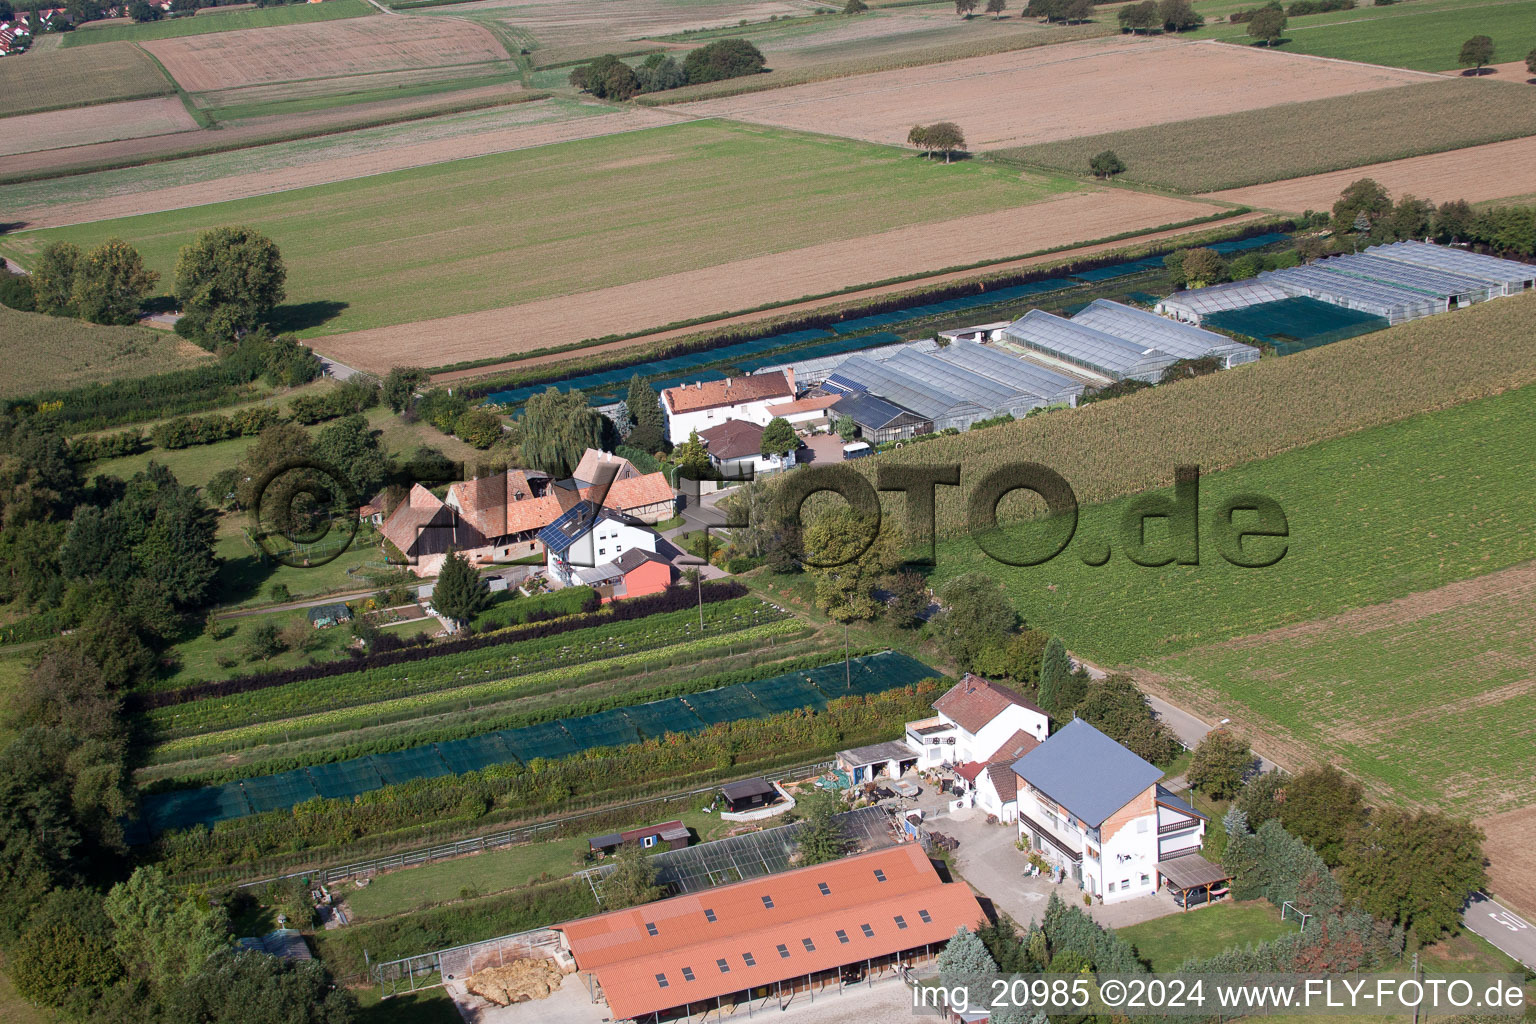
[82,126]
[1511,850]
[1495,171]
[744,284]
[1057,92]
[221,60]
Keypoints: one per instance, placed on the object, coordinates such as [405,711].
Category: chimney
[728,381]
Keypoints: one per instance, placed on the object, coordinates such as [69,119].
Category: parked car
[1197,897]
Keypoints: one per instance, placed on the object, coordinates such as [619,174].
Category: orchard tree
[1267,25]
[228,281]
[1476,53]
[110,282]
[917,136]
[460,593]
[964,8]
[1221,761]
[996,8]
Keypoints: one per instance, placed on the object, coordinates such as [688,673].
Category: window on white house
[1111,886]
[1145,879]
[1125,883]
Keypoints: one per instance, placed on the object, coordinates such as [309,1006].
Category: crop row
[418,732]
[423,704]
[454,670]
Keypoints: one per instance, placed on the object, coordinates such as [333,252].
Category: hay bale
[517,982]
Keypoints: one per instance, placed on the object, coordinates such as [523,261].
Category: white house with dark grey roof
[585,538]
[1094,809]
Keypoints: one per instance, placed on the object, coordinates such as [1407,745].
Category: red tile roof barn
[732,391]
[973,702]
[411,516]
[757,917]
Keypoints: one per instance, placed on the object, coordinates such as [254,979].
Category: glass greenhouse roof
[1459,261]
[1017,373]
[1219,297]
[1153,331]
[1081,344]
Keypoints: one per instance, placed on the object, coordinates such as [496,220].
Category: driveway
[820,449]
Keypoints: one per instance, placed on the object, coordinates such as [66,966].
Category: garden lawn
[481,874]
[198,657]
[1425,35]
[496,231]
[247,573]
[1205,931]
[195,465]
[1275,143]
[1372,516]
[215,20]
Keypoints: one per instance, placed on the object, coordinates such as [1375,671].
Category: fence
[428,970]
[500,840]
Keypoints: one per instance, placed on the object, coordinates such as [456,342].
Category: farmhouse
[587,538]
[705,404]
[736,445]
[595,463]
[635,573]
[758,942]
[673,835]
[1095,810]
[977,721]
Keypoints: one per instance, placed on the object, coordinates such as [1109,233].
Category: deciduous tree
[818,837]
[400,386]
[996,8]
[110,283]
[1106,164]
[1179,16]
[946,136]
[1267,26]
[1476,52]
[722,59]
[779,438]
[632,882]
[1363,201]
[1322,807]
[229,280]
[557,428]
[1416,869]
[974,614]
[1220,762]
[53,279]
[1204,266]
[163,936]
[964,8]
[908,601]
[856,553]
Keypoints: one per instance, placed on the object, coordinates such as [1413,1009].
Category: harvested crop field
[1495,171]
[1430,698]
[1511,850]
[1276,143]
[46,352]
[218,19]
[555,23]
[501,230]
[747,283]
[104,122]
[57,79]
[293,165]
[223,60]
[1056,92]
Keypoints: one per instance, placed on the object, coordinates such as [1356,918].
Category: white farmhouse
[585,539]
[978,720]
[1094,809]
[736,446]
[706,404]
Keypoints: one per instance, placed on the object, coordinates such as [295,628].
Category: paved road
[331,368]
[1503,927]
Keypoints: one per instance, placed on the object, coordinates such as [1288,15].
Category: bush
[16,292]
[722,59]
[356,395]
[1304,7]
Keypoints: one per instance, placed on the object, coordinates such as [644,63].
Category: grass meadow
[1274,143]
[57,79]
[1169,941]
[1425,35]
[500,230]
[44,352]
[216,20]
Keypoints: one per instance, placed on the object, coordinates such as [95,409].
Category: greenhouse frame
[1078,345]
[1171,336]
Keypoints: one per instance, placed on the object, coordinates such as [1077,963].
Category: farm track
[1494,171]
[812,304]
[745,284]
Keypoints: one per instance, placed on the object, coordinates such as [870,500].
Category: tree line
[608,77]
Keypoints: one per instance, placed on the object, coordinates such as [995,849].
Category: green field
[1169,941]
[215,20]
[1274,143]
[1432,702]
[500,230]
[1374,515]
[42,353]
[56,79]
[1425,35]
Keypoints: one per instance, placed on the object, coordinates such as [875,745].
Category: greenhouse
[1396,305]
[1194,305]
[1505,277]
[1077,345]
[1171,336]
[1019,374]
[924,396]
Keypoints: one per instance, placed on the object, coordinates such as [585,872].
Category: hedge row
[419,810]
[34,627]
[671,600]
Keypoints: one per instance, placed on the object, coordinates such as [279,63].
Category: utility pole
[847,666]
[698,579]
